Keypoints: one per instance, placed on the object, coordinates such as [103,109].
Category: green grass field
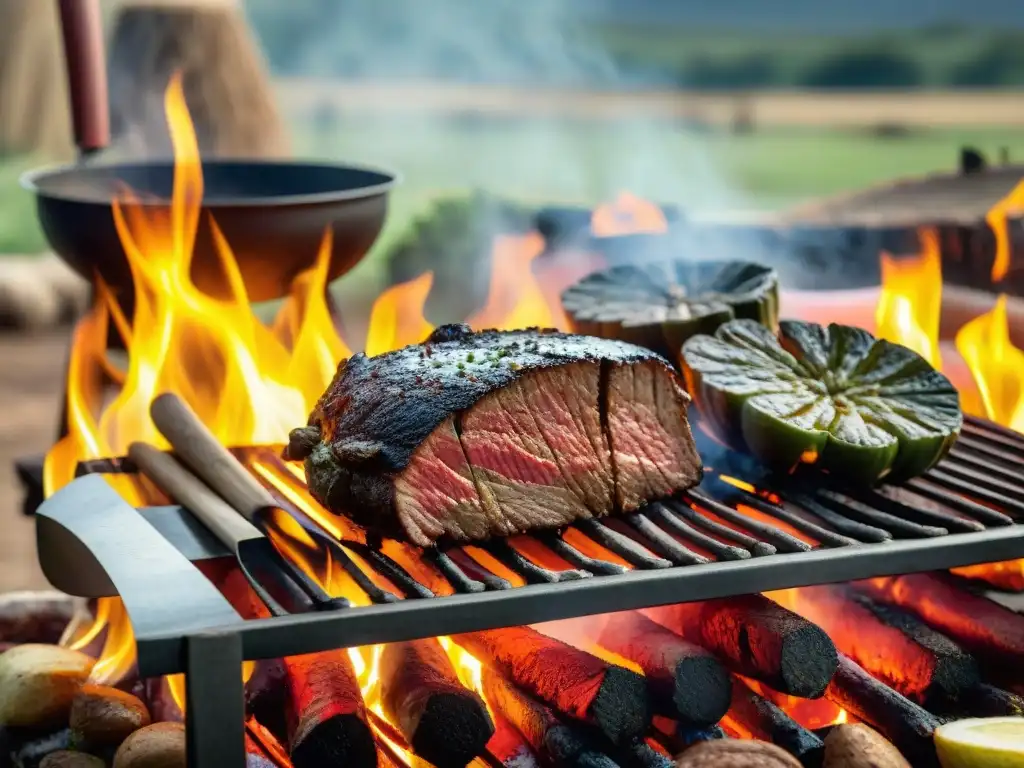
[585,163]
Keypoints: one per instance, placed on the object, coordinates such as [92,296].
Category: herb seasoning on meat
[859,407]
[502,433]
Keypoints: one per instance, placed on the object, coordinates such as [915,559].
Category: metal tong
[204,476]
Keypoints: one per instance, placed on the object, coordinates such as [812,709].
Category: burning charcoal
[753,717]
[35,617]
[31,752]
[102,717]
[662,304]
[255,757]
[899,719]
[566,745]
[855,745]
[757,638]
[572,682]
[684,679]
[440,719]
[642,755]
[267,697]
[510,747]
[736,752]
[66,758]
[993,633]
[39,682]
[926,667]
[579,419]
[160,745]
[326,716]
[987,701]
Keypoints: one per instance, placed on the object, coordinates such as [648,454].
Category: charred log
[440,719]
[685,680]
[923,665]
[267,697]
[326,716]
[565,745]
[993,633]
[896,717]
[987,701]
[572,682]
[757,638]
[754,717]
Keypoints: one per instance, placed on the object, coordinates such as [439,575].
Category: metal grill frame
[92,543]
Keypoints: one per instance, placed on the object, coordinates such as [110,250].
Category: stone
[161,745]
[39,682]
[103,717]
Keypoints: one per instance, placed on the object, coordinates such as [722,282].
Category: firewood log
[440,719]
[896,717]
[572,682]
[752,716]
[685,680]
[757,638]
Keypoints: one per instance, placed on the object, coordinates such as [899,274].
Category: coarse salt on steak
[473,435]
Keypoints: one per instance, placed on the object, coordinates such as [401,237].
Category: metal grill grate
[740,531]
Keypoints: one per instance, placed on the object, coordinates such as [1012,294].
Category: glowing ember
[910,305]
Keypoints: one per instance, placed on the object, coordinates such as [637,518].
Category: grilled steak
[472,435]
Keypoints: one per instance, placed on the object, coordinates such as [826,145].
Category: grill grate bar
[783,541]
[988,450]
[994,432]
[669,519]
[975,489]
[753,545]
[897,526]
[823,535]
[948,520]
[701,526]
[960,458]
[670,549]
[853,529]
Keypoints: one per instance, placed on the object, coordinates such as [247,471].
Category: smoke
[530,44]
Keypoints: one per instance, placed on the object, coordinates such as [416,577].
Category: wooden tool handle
[82,27]
[198,449]
[168,474]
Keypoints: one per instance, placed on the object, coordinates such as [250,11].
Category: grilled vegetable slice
[859,407]
[662,304]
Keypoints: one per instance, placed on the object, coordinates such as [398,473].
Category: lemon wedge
[994,742]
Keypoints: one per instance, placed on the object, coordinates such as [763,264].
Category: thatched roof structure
[227,85]
[34,113]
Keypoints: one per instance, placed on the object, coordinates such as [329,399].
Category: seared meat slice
[473,435]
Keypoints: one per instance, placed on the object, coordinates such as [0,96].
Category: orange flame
[910,304]
[249,383]
[627,215]
[1012,204]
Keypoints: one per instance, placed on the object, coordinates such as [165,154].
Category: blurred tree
[875,67]
[226,82]
[1000,63]
[34,112]
[756,70]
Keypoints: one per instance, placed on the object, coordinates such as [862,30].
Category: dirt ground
[31,378]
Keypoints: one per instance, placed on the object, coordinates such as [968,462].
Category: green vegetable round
[860,408]
[662,304]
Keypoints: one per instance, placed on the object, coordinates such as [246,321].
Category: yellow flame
[996,364]
[910,304]
[1012,204]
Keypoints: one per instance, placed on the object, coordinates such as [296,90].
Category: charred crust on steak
[301,442]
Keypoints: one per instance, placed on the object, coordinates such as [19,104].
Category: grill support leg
[215,708]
